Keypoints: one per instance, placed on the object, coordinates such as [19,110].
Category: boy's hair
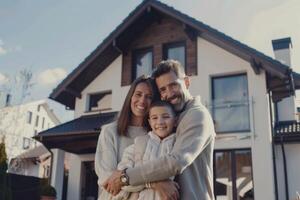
[157,103]
[160,103]
[167,66]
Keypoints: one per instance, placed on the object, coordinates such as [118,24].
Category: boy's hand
[167,190]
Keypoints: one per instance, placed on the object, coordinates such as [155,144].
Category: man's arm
[194,133]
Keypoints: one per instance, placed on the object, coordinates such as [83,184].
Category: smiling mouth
[140,107]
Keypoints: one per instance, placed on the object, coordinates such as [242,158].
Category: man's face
[173,89]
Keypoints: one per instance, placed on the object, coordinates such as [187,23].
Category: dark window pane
[244,183]
[223,176]
[143,62]
[100,101]
[177,53]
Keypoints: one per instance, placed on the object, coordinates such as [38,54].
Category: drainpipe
[273,147]
[284,169]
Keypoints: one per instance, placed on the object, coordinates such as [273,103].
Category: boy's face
[162,120]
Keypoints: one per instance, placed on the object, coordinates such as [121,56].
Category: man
[191,157]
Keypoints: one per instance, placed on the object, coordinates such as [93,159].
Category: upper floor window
[37,120]
[99,101]
[38,108]
[230,107]
[142,62]
[29,117]
[175,51]
[43,123]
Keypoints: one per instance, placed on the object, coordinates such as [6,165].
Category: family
[161,145]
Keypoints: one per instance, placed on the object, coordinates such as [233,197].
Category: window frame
[88,103]
[213,98]
[233,168]
[29,117]
[139,51]
[167,46]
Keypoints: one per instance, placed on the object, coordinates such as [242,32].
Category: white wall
[292,164]
[109,79]
[214,61]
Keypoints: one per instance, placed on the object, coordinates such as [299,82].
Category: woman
[116,136]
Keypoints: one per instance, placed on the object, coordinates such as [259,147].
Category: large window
[230,107]
[99,101]
[175,51]
[233,175]
[142,62]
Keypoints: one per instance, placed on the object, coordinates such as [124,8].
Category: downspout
[284,169]
[273,147]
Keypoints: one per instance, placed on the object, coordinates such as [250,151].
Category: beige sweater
[191,156]
[109,152]
[144,149]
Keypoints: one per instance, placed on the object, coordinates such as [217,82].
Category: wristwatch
[124,177]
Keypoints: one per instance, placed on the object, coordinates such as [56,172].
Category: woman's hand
[113,184]
[167,190]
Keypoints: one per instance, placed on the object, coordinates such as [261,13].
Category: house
[18,124]
[249,95]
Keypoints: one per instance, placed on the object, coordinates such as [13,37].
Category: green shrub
[48,190]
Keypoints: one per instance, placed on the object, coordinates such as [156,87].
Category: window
[8,100]
[37,121]
[142,62]
[230,107]
[233,175]
[99,101]
[39,108]
[29,117]
[43,123]
[26,143]
[175,51]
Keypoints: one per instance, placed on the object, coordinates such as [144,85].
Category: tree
[4,189]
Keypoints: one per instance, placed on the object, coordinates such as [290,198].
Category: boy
[158,142]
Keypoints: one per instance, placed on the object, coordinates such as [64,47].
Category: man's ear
[187,82]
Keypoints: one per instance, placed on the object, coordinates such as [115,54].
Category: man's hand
[113,184]
[167,190]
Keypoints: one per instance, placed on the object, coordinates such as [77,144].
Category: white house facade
[240,86]
[18,124]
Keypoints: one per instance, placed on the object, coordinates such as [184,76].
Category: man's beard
[178,106]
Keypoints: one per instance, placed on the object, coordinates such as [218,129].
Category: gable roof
[135,23]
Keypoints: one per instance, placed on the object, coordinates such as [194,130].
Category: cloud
[3,79]
[2,51]
[51,76]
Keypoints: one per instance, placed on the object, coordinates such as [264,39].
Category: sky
[52,37]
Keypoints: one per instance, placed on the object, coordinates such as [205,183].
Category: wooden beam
[190,32]
[73,92]
[255,66]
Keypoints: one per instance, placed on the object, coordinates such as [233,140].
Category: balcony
[231,116]
[287,132]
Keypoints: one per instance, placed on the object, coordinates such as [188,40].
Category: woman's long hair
[125,115]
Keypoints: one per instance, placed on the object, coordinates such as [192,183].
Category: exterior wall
[169,31]
[109,79]
[13,123]
[292,161]
[214,61]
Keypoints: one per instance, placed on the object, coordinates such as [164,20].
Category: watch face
[124,179]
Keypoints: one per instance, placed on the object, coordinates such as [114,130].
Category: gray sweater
[191,156]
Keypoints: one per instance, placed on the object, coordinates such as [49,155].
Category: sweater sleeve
[106,155]
[194,133]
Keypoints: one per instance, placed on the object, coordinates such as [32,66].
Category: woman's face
[140,101]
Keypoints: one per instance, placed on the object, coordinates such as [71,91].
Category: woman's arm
[106,155]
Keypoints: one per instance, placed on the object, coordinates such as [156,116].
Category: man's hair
[167,66]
